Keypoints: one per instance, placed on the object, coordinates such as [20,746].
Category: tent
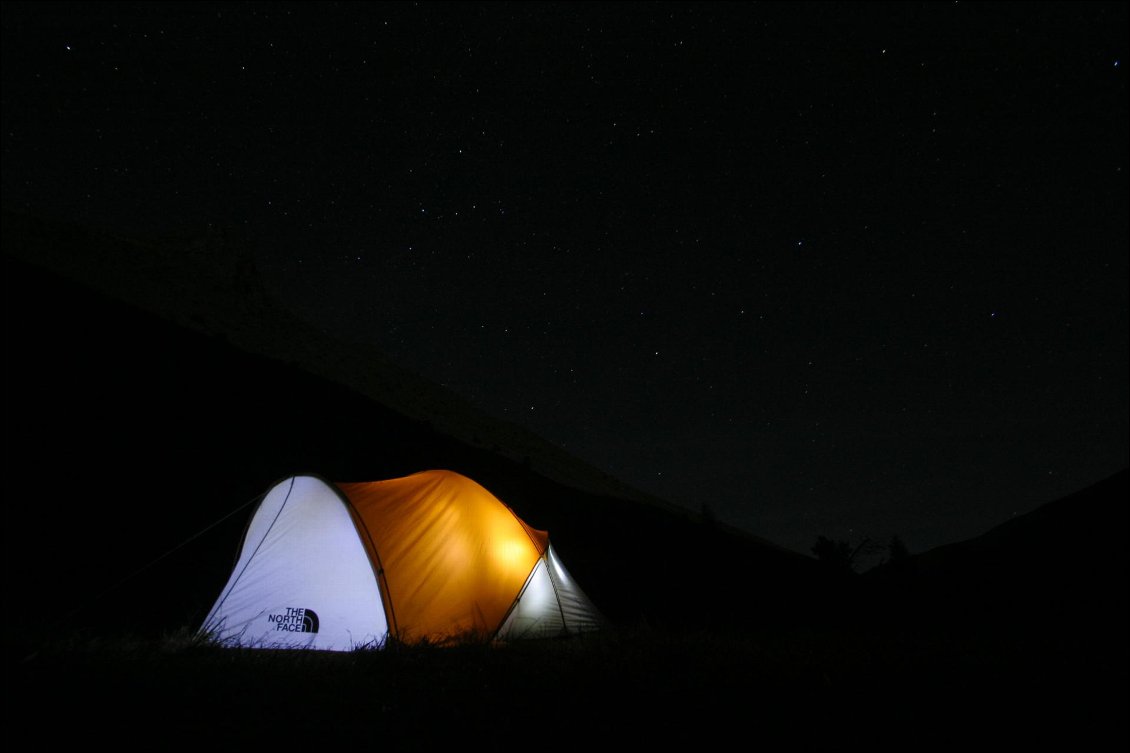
[432,556]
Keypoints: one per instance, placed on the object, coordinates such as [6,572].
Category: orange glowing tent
[432,556]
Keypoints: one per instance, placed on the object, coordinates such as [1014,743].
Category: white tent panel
[579,613]
[536,614]
[304,579]
[551,604]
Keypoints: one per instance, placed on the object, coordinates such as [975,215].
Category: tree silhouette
[835,556]
[898,556]
[839,556]
[897,551]
[706,516]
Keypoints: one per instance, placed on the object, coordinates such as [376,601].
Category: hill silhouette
[149,395]
[210,284]
[133,429]
[1058,570]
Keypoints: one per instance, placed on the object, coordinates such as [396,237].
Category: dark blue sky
[840,269]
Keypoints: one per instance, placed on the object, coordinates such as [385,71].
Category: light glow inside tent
[511,552]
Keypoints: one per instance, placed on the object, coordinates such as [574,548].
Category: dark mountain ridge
[1051,538]
[129,433]
[1060,569]
[153,390]
[210,284]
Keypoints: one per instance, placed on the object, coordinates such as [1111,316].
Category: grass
[629,688]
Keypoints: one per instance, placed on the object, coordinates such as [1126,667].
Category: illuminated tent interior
[432,556]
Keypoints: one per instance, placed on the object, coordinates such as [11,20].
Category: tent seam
[518,598]
[556,595]
[235,582]
[385,593]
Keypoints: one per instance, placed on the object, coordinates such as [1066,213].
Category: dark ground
[634,689]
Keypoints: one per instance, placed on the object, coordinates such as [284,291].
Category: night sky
[827,269]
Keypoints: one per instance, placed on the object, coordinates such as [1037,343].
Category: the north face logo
[295,620]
